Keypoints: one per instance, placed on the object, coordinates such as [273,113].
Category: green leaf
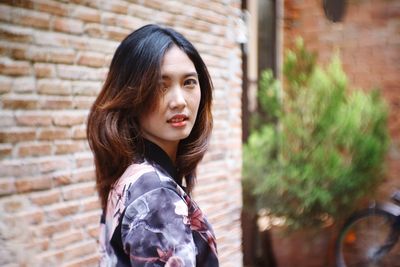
[318,146]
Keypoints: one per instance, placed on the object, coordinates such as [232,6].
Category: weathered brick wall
[369,43]
[53,60]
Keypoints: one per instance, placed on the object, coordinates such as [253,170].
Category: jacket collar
[156,155]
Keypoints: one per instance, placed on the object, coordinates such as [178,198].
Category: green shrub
[316,147]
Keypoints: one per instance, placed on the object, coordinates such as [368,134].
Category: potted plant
[317,147]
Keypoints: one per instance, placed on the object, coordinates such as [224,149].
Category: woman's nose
[177,98]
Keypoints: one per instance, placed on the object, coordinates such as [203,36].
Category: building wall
[368,40]
[53,60]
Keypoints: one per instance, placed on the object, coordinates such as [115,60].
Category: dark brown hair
[131,89]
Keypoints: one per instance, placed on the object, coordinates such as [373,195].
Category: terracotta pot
[303,248]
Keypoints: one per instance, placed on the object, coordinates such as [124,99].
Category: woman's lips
[179,120]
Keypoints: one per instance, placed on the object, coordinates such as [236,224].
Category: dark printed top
[151,221]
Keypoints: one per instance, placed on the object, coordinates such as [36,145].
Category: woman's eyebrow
[191,74]
[168,77]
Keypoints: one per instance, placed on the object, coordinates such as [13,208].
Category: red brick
[63,56]
[128,22]
[140,11]
[5,12]
[155,4]
[177,8]
[53,134]
[211,17]
[77,72]
[43,70]
[78,191]
[56,102]
[68,147]
[18,168]
[83,102]
[15,33]
[109,18]
[87,88]
[68,25]
[93,230]
[79,42]
[49,229]
[199,25]
[53,164]
[94,30]
[52,7]
[85,14]
[31,217]
[13,204]
[5,152]
[19,3]
[84,159]
[45,198]
[116,7]
[85,219]
[49,257]
[31,18]
[116,33]
[69,118]
[83,248]
[7,118]
[20,102]
[52,38]
[13,135]
[5,84]
[91,59]
[91,260]
[6,49]
[32,118]
[59,211]
[102,45]
[54,87]
[7,186]
[83,175]
[79,132]
[14,68]
[41,244]
[29,53]
[24,85]
[90,204]
[34,149]
[40,54]
[61,240]
[62,178]
[33,184]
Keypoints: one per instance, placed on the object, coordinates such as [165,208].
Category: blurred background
[306,111]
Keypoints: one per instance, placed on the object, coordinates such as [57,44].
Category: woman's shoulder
[141,178]
[133,173]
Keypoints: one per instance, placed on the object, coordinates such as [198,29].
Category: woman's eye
[190,83]
[163,86]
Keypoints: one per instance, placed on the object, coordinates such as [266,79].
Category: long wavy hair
[132,89]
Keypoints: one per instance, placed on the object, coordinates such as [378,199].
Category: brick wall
[53,60]
[369,43]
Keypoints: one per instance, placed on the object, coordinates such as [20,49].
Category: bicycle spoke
[367,240]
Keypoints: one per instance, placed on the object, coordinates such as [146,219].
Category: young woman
[148,129]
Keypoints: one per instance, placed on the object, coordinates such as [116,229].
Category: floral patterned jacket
[151,221]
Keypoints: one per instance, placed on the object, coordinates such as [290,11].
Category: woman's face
[173,118]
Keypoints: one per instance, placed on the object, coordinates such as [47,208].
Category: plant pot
[304,247]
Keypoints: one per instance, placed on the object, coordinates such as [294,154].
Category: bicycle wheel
[366,240]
